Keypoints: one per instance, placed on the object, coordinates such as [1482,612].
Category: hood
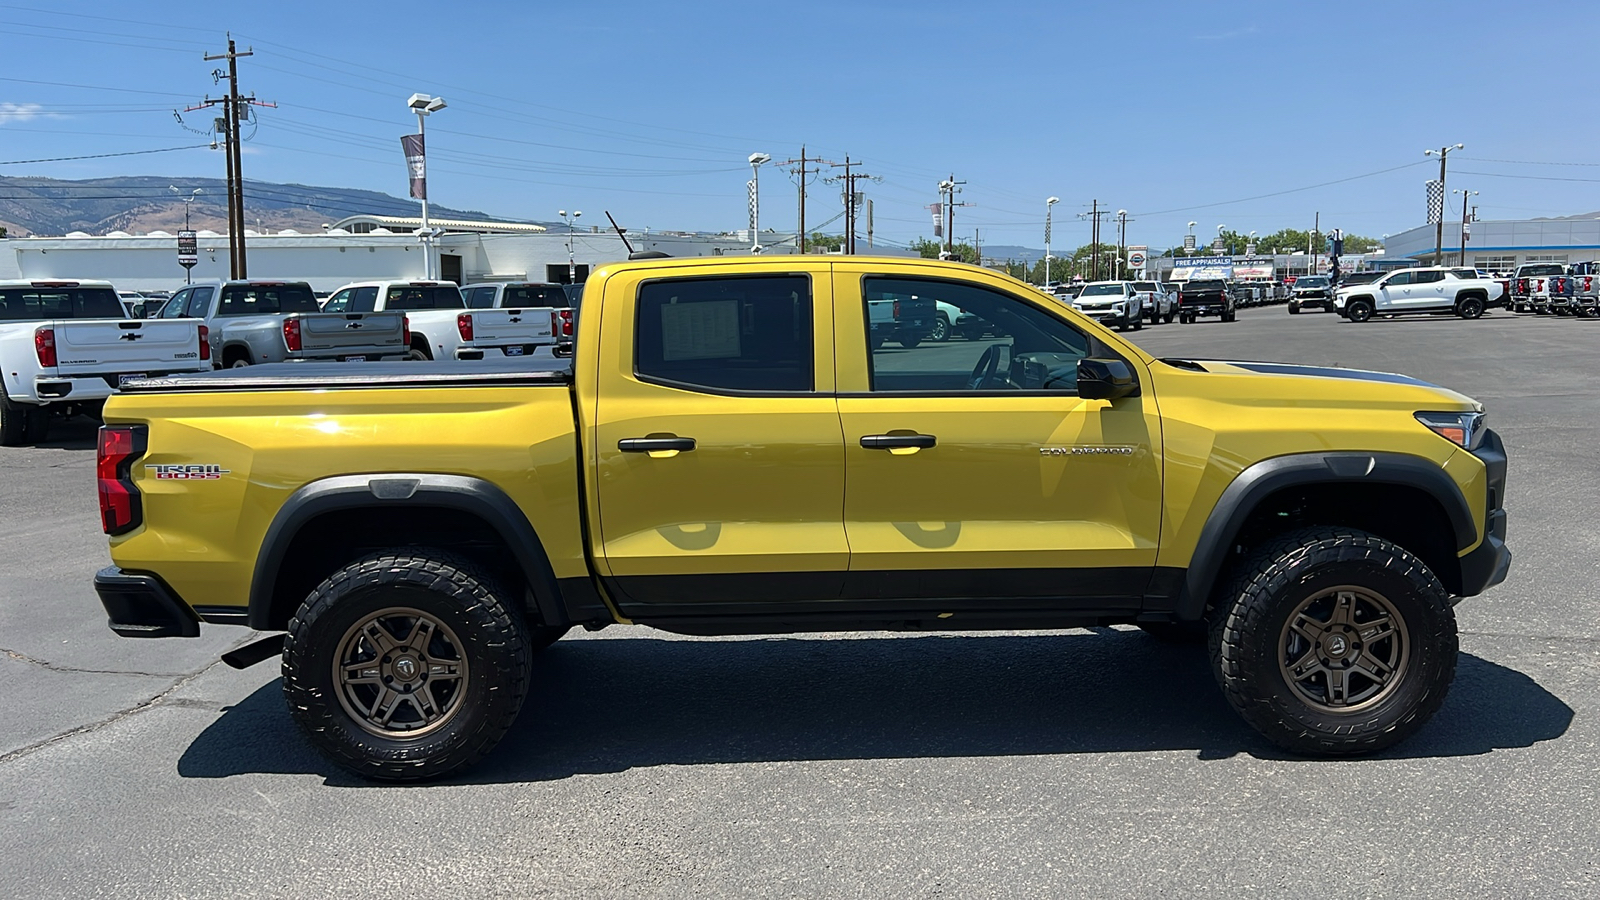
[1326,381]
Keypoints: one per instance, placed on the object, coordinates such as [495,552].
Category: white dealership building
[1502,245]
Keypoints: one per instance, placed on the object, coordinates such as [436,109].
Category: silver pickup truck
[264,321]
[510,319]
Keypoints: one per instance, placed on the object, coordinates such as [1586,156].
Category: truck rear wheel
[13,421]
[1470,308]
[1335,642]
[406,665]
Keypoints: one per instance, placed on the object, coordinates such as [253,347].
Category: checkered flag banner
[754,203]
[1435,202]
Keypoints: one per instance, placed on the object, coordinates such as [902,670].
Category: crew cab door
[1395,292]
[975,474]
[717,451]
[1428,290]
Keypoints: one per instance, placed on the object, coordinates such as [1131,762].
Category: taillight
[291,335]
[121,509]
[405,331]
[205,343]
[897,309]
[562,324]
[1539,285]
[463,325]
[44,344]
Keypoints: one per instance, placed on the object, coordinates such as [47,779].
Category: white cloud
[19,112]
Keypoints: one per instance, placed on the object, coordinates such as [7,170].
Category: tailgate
[505,327]
[111,346]
[353,334]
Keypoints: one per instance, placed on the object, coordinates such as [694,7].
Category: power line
[1297,190]
[21,162]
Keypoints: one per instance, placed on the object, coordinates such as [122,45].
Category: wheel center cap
[406,668]
[1337,645]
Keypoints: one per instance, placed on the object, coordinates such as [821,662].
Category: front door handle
[898,441]
[667,445]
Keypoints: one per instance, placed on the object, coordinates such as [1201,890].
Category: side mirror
[1105,379]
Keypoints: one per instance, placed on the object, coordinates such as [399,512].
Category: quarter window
[199,303]
[726,334]
[929,335]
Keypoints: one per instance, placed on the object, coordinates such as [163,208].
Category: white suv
[1432,290]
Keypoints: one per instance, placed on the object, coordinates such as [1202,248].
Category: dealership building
[1502,245]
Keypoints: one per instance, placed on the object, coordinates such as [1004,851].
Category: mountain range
[142,203]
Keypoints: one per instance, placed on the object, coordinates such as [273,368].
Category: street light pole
[1438,232]
[572,261]
[1049,202]
[1464,195]
[188,273]
[756,159]
[424,105]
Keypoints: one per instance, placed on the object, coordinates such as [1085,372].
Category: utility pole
[803,172]
[949,189]
[235,110]
[1464,195]
[1122,240]
[852,199]
[1438,231]
[869,223]
[1095,213]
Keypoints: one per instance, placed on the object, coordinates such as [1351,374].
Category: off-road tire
[468,601]
[1250,626]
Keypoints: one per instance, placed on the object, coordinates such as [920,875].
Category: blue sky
[1220,113]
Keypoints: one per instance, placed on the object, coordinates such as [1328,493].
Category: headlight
[1464,429]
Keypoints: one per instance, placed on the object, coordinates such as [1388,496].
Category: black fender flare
[403,489]
[1261,480]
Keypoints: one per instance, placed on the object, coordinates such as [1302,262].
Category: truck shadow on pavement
[601,706]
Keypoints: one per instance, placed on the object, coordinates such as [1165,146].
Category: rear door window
[726,334]
[480,298]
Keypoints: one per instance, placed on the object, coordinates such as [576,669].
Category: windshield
[1315,281]
[30,303]
[266,299]
[1102,290]
[1205,285]
[1540,270]
[1147,286]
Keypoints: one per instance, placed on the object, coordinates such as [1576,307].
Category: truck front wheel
[406,665]
[1334,642]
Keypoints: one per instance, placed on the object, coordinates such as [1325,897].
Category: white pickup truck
[1430,290]
[510,319]
[65,346]
[431,308]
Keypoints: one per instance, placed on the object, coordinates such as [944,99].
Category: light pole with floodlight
[756,159]
[1048,202]
[424,105]
[188,273]
[1438,233]
[572,261]
[1464,196]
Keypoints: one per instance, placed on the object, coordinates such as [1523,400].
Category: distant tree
[829,242]
[930,249]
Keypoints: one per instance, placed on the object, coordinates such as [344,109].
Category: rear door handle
[655,444]
[898,441]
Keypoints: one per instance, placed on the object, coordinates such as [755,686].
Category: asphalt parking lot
[1074,763]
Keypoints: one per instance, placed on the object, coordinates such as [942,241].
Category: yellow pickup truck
[729,452]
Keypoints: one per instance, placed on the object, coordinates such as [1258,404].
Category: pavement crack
[115,717]
[46,664]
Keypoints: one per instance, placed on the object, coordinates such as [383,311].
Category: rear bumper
[139,605]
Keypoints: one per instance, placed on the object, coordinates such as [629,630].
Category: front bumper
[140,605]
[1488,564]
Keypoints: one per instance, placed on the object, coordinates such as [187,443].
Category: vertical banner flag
[938,218]
[416,163]
[1435,202]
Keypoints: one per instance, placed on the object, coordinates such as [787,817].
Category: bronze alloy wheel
[1344,650]
[400,673]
